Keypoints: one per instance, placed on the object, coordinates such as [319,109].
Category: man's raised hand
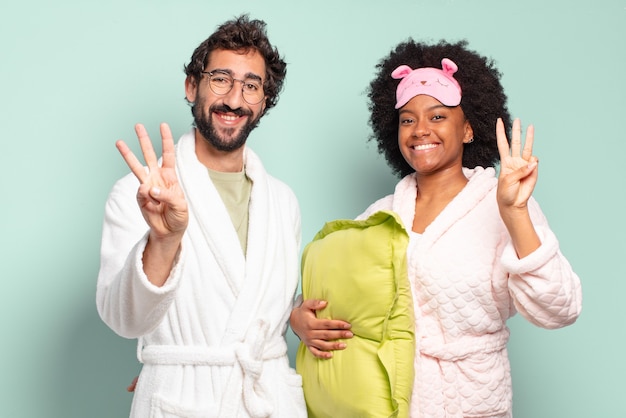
[160,196]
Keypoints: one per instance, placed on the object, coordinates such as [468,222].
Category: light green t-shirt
[234,189]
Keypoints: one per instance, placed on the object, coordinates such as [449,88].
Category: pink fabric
[434,82]
[467,281]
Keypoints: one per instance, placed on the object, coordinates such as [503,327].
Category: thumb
[522,172]
[168,196]
[155,193]
[314,304]
[530,167]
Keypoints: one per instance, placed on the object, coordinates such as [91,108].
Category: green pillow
[360,268]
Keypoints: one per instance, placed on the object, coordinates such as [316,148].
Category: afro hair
[483,100]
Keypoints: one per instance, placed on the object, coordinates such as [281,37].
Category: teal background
[75,76]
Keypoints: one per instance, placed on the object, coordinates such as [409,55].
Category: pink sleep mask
[433,82]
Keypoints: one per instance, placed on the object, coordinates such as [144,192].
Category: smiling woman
[431,135]
[479,247]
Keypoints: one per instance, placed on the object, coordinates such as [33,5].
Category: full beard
[229,140]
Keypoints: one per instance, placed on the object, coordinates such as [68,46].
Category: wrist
[521,230]
[510,213]
[159,257]
[165,241]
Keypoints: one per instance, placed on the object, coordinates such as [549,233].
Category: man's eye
[220,80]
[251,86]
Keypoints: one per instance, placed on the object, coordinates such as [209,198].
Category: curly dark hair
[483,100]
[243,34]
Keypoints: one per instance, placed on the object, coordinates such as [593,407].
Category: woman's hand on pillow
[319,335]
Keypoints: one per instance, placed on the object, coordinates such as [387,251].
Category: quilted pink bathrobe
[467,281]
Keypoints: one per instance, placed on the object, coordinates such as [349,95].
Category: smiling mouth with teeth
[423,147]
[229,118]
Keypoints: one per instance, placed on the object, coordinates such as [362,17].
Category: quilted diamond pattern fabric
[468,281]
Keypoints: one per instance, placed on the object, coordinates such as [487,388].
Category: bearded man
[199,255]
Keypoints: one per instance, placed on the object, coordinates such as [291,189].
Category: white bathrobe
[212,338]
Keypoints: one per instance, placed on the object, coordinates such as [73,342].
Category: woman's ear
[468,133]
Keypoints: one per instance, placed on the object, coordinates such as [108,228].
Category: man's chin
[225,138]
[226,144]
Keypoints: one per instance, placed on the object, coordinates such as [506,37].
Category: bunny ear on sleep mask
[434,82]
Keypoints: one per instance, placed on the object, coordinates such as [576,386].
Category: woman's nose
[421,128]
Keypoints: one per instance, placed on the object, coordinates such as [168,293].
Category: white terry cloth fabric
[467,281]
[212,338]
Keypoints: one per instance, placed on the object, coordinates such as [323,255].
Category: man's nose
[234,97]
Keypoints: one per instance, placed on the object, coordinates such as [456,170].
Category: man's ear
[191,88]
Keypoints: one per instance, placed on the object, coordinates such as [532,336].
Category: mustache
[222,108]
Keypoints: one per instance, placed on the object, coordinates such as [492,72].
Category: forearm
[159,257]
[521,230]
[127,301]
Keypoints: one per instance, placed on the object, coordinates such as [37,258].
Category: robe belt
[448,353]
[205,356]
[245,357]
[464,346]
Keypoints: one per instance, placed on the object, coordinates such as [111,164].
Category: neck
[440,186]
[214,159]
[434,192]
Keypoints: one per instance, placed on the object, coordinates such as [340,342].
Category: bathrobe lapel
[210,213]
[467,199]
[249,277]
[260,260]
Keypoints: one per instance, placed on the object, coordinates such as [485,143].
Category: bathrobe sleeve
[127,302]
[545,289]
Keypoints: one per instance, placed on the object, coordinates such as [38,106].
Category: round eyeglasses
[222,83]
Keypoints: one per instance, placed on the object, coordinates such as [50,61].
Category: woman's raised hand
[518,176]
[518,167]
